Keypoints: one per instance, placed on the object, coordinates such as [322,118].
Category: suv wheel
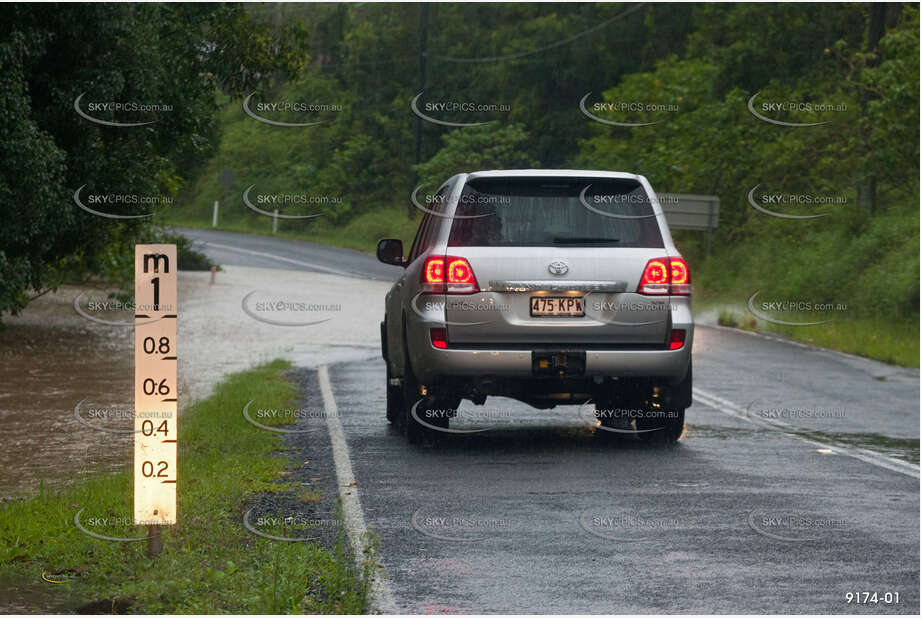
[408,396]
[434,414]
[410,401]
[394,399]
[431,410]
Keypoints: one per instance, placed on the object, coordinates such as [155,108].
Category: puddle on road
[693,430]
[905,449]
[44,372]
[25,596]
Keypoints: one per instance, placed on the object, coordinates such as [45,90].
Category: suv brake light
[665,276]
[433,272]
[681,277]
[449,275]
[676,339]
[439,337]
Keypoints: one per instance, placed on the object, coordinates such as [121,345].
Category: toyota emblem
[558,267]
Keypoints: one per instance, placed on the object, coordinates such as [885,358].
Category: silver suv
[551,287]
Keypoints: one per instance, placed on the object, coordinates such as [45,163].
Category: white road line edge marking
[871,457]
[381,596]
[280,258]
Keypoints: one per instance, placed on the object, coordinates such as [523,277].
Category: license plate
[557,306]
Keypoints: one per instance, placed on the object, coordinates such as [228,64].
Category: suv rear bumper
[430,363]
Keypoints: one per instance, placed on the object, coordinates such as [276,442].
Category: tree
[167,59]
[476,148]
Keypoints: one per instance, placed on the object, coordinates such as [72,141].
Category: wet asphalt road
[795,484]
[233,249]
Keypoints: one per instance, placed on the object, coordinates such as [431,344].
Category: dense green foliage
[142,54]
[703,62]
[367,63]
[531,64]
[864,254]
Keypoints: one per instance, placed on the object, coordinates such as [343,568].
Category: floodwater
[50,360]
[36,596]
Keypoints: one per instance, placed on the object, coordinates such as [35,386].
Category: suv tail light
[676,339]
[665,276]
[680,277]
[439,337]
[449,275]
[433,272]
[655,277]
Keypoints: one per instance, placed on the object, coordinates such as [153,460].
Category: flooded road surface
[51,359]
[37,596]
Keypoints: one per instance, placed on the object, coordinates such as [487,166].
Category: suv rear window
[553,212]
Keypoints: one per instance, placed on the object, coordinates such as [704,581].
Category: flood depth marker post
[155,389]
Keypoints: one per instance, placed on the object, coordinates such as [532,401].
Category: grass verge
[893,341]
[210,563]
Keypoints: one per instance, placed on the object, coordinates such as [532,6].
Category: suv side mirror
[390,251]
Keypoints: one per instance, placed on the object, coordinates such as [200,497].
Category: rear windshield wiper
[574,240]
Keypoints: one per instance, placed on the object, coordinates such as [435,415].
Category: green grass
[210,563]
[728,318]
[867,265]
[888,340]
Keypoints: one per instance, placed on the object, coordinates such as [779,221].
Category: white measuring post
[155,389]
[275,222]
[214,217]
